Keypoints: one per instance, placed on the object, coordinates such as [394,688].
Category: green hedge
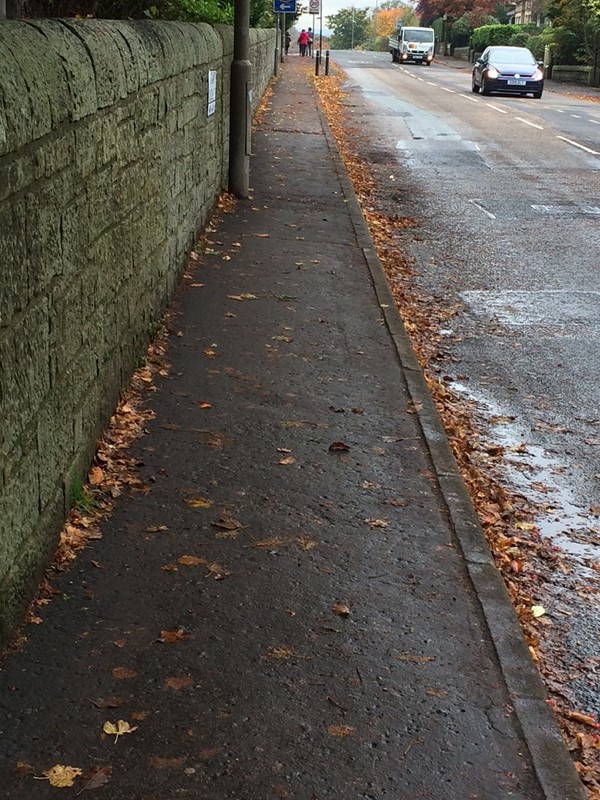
[488,35]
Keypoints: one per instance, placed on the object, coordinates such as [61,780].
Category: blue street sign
[284,6]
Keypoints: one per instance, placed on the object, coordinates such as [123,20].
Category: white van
[412,44]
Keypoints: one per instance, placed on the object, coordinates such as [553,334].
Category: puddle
[532,472]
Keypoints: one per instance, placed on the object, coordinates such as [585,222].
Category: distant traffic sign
[284,6]
[314,6]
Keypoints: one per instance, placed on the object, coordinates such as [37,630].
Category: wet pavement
[330,623]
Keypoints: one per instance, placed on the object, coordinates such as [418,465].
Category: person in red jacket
[303,42]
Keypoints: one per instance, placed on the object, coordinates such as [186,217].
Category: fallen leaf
[22,768]
[415,659]
[156,528]
[338,447]
[120,729]
[191,561]
[96,476]
[123,673]
[237,297]
[538,611]
[286,461]
[377,523]
[98,776]
[108,702]
[370,485]
[139,715]
[287,339]
[341,609]
[170,568]
[341,730]
[210,353]
[61,775]
[227,523]
[196,285]
[262,235]
[305,543]
[248,296]
[199,502]
[171,637]
[178,683]
[208,753]
[280,652]
[167,763]
[203,404]
[217,571]
[585,719]
[229,314]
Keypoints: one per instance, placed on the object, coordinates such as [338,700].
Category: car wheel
[484,88]
[474,87]
[537,95]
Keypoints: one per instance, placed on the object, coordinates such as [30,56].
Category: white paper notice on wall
[212,91]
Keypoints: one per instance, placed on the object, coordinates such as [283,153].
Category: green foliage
[351,28]
[81,499]
[211,11]
[488,35]
[460,33]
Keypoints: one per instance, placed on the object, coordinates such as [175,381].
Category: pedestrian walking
[288,40]
[303,42]
[310,41]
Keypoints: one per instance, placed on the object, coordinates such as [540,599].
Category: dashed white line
[445,89]
[595,121]
[576,116]
[533,125]
[580,146]
[431,84]
[468,97]
[501,110]
[482,208]
[560,111]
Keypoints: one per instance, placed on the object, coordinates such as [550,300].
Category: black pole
[240,111]
[283,33]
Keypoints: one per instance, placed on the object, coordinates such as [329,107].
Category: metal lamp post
[240,111]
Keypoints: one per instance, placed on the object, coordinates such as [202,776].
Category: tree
[350,28]
[428,10]
[261,14]
[384,21]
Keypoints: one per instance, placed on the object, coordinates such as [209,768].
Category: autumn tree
[477,10]
[384,20]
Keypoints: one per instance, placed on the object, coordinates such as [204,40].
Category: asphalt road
[506,193]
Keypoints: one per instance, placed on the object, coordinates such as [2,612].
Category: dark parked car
[509,70]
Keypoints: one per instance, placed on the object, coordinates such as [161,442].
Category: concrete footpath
[336,629]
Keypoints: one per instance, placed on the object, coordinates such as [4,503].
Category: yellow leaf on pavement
[120,729]
[199,502]
[61,776]
[538,611]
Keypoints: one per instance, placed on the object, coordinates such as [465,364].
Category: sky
[330,7]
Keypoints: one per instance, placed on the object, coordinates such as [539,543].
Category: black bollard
[317,61]
[326,62]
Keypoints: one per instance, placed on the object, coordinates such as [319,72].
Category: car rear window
[506,56]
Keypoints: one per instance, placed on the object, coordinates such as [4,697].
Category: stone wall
[109,168]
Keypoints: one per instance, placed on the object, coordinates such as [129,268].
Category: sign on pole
[284,6]
[314,6]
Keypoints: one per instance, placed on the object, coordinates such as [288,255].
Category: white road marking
[559,111]
[501,110]
[576,116]
[595,121]
[468,97]
[580,146]
[482,208]
[448,90]
[431,84]
[526,121]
